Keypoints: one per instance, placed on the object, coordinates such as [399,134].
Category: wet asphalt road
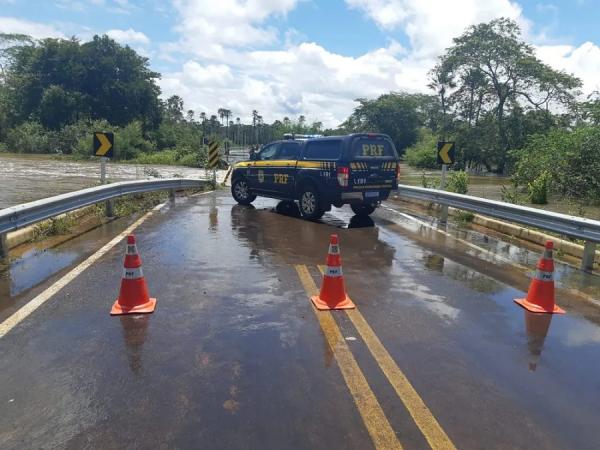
[235,357]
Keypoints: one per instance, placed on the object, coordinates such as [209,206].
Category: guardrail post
[589,254]
[109,208]
[172,195]
[444,211]
[3,246]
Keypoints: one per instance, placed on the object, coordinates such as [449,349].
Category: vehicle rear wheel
[309,203]
[241,192]
[363,209]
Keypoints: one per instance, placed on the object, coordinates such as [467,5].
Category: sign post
[213,159]
[104,144]
[445,157]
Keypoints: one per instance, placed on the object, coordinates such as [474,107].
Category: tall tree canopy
[489,72]
[395,114]
[59,81]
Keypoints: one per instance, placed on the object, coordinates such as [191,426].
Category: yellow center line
[378,426]
[421,414]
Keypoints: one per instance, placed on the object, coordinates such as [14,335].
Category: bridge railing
[571,226]
[20,216]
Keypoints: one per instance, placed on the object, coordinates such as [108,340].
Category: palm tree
[259,123]
[238,123]
[203,119]
[255,117]
[213,123]
[227,115]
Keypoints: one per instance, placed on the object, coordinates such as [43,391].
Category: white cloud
[34,29]
[302,79]
[583,61]
[431,24]
[234,59]
[129,36]
[208,27]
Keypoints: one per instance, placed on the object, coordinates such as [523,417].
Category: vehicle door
[285,170]
[260,174]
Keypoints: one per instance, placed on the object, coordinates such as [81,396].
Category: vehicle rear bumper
[360,196]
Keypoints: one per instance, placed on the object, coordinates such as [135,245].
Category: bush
[130,141]
[538,189]
[571,158]
[458,182]
[429,183]
[166,157]
[76,138]
[511,195]
[29,137]
[423,154]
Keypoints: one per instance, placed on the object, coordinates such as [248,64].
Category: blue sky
[312,57]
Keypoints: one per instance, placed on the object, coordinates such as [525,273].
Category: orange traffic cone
[133,298]
[540,297]
[333,292]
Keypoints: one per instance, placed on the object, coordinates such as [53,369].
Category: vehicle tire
[309,203]
[241,192]
[362,209]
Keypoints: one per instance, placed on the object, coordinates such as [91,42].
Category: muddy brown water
[24,178]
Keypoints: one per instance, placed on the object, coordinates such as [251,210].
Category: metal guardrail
[20,216]
[572,226]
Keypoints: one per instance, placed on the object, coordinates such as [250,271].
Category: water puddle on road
[35,263]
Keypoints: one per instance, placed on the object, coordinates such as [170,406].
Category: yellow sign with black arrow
[446,151]
[213,154]
[104,144]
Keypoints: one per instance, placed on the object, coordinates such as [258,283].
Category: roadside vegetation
[509,113]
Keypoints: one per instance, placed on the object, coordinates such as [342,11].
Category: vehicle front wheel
[309,203]
[241,192]
[363,209]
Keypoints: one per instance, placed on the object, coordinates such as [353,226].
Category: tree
[59,81]
[227,115]
[394,114]
[255,117]
[493,70]
[173,109]
[301,123]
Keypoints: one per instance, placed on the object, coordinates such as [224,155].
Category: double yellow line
[376,422]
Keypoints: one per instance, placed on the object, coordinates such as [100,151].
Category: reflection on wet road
[235,357]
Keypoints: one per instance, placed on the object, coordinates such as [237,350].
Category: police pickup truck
[357,169]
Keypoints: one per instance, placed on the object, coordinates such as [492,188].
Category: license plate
[372,194]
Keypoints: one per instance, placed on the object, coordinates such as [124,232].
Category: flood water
[24,178]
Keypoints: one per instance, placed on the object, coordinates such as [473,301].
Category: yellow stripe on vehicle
[309,164]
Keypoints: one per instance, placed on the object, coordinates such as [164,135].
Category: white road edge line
[27,309]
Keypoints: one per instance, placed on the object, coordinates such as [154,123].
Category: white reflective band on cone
[544,276]
[334,249]
[333,271]
[131,249]
[547,254]
[132,274]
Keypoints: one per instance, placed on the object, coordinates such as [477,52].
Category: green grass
[53,227]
